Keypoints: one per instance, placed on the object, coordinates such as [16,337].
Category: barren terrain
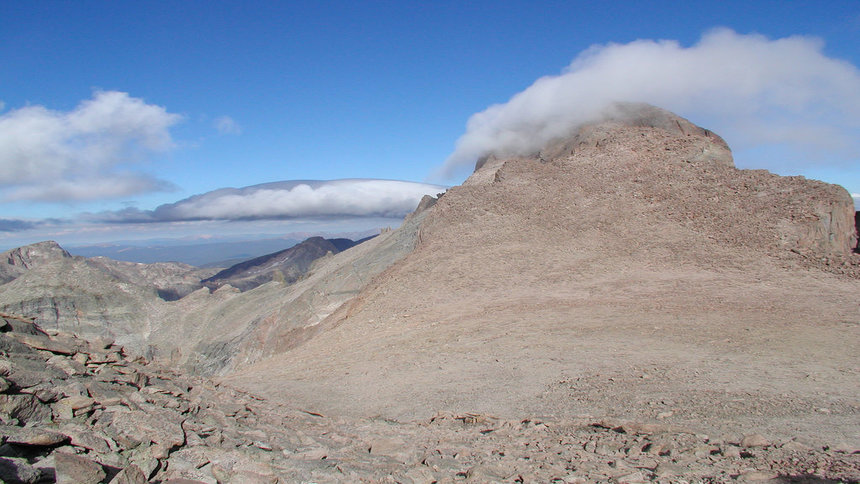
[624,306]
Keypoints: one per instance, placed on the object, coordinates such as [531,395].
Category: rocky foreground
[80,411]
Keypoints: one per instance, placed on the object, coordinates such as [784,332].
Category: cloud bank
[14,225]
[288,200]
[751,90]
[83,154]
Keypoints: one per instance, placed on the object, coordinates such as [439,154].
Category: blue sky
[156,102]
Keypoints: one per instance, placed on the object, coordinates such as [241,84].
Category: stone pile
[77,411]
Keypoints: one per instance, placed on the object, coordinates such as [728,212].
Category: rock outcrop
[91,297]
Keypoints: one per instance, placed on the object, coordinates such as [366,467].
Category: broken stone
[32,436]
[157,427]
[40,342]
[754,440]
[130,475]
[70,407]
[17,470]
[23,408]
[77,469]
[87,438]
[67,365]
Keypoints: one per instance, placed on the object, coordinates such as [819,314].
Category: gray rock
[15,470]
[23,408]
[32,436]
[754,440]
[41,342]
[156,427]
[130,475]
[77,469]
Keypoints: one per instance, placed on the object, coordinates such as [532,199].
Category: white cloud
[290,200]
[93,145]
[753,91]
[856,197]
[227,125]
[77,189]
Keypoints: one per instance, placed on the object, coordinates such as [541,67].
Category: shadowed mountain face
[284,266]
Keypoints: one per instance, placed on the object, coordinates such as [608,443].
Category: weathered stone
[40,342]
[395,449]
[76,469]
[68,365]
[17,470]
[88,438]
[70,407]
[130,475]
[32,436]
[23,408]
[142,457]
[754,440]
[156,427]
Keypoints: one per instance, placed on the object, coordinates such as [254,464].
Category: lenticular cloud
[307,199]
[752,90]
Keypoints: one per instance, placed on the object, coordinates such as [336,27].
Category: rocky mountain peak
[618,116]
[659,165]
[33,254]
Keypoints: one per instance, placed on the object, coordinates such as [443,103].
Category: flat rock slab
[149,427]
[40,342]
[32,436]
[76,469]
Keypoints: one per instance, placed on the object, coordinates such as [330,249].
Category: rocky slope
[76,411]
[91,297]
[628,271]
[227,329]
[144,306]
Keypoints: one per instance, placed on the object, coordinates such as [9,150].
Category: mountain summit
[623,263]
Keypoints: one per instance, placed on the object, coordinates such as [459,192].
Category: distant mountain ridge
[204,254]
[286,266]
